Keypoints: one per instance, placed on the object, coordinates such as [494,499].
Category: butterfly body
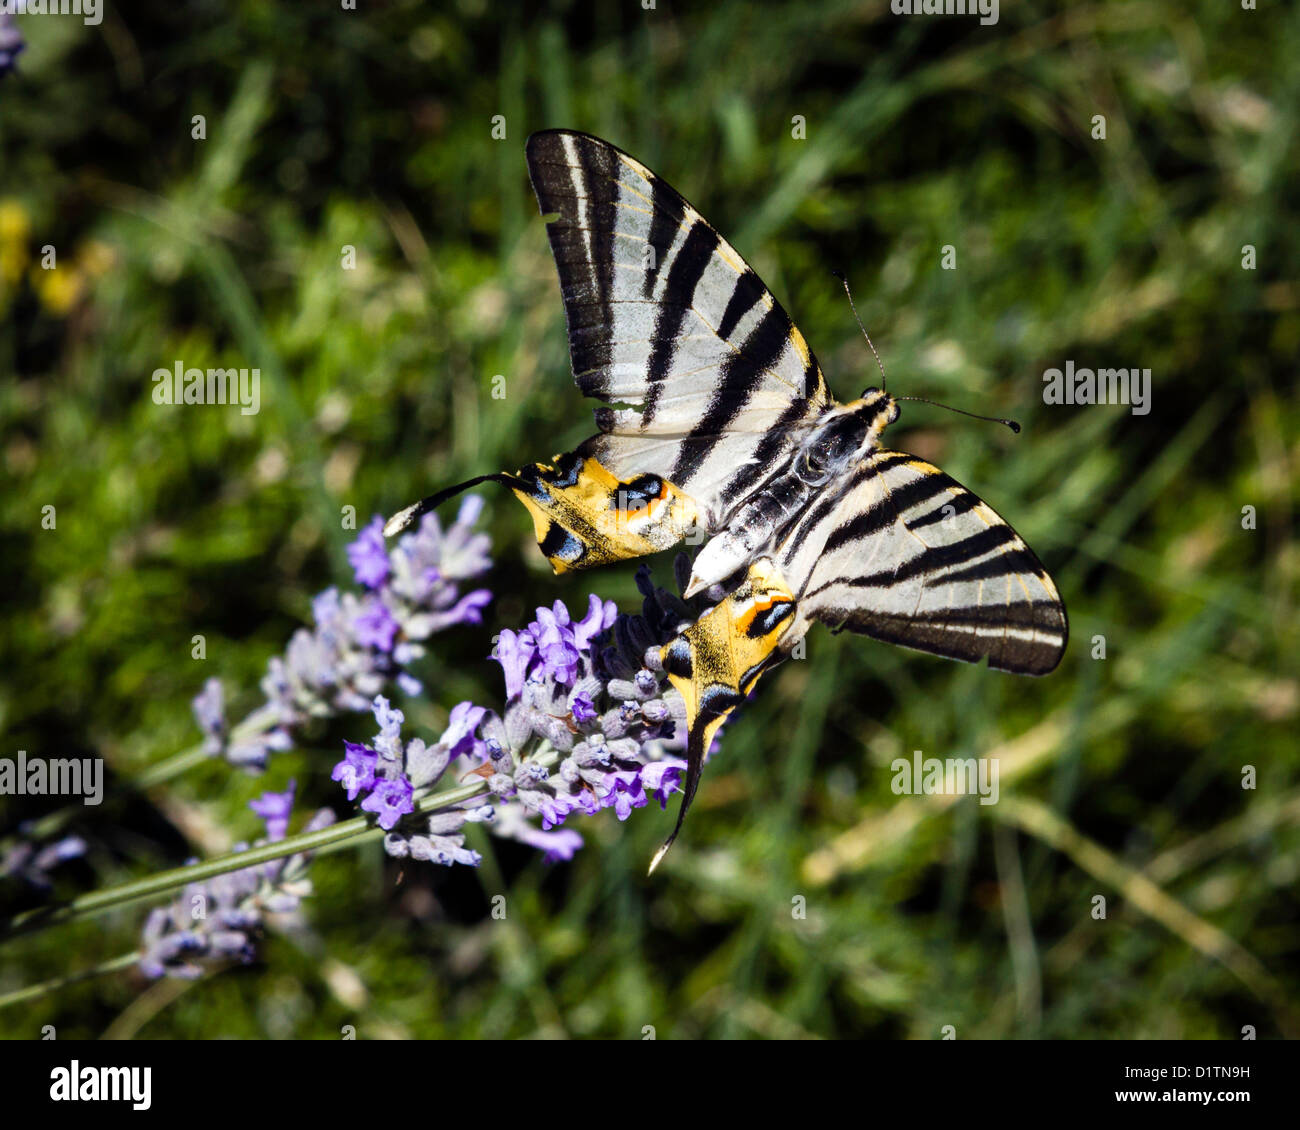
[839,439]
[716,418]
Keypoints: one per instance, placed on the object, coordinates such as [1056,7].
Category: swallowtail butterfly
[716,416]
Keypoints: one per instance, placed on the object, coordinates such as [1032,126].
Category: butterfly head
[876,402]
[845,435]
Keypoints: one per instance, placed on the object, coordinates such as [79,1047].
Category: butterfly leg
[715,663]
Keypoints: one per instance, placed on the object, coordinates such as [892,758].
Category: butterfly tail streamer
[696,745]
[403,518]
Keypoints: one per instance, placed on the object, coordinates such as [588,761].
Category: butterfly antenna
[403,518]
[883,379]
[973,415]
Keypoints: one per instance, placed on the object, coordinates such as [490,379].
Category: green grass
[329,128]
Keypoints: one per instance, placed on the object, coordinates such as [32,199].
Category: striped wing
[908,555]
[706,381]
[900,552]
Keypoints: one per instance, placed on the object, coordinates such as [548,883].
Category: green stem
[31,992]
[169,767]
[356,831]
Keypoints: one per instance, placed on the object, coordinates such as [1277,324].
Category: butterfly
[715,417]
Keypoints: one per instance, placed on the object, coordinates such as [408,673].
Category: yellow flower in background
[14,223]
[15,227]
[58,289]
[96,258]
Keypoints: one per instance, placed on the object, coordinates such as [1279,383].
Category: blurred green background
[1121,776]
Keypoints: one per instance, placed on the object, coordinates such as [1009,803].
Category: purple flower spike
[239,905]
[361,643]
[274,808]
[591,722]
[555,643]
[12,43]
[515,652]
[369,555]
[356,772]
[582,709]
[390,801]
[375,627]
[458,738]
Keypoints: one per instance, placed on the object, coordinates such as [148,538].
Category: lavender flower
[27,861]
[391,773]
[369,555]
[362,643]
[218,920]
[210,713]
[560,846]
[591,723]
[275,808]
[583,708]
[390,800]
[12,43]
[595,693]
[357,769]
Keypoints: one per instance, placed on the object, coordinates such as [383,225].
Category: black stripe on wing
[684,276]
[951,577]
[740,374]
[612,213]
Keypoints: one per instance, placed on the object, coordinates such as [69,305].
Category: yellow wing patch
[585,516]
[718,659]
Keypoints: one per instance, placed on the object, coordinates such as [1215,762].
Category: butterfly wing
[906,554]
[718,660]
[901,552]
[705,380]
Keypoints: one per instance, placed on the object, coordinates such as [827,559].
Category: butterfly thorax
[842,437]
